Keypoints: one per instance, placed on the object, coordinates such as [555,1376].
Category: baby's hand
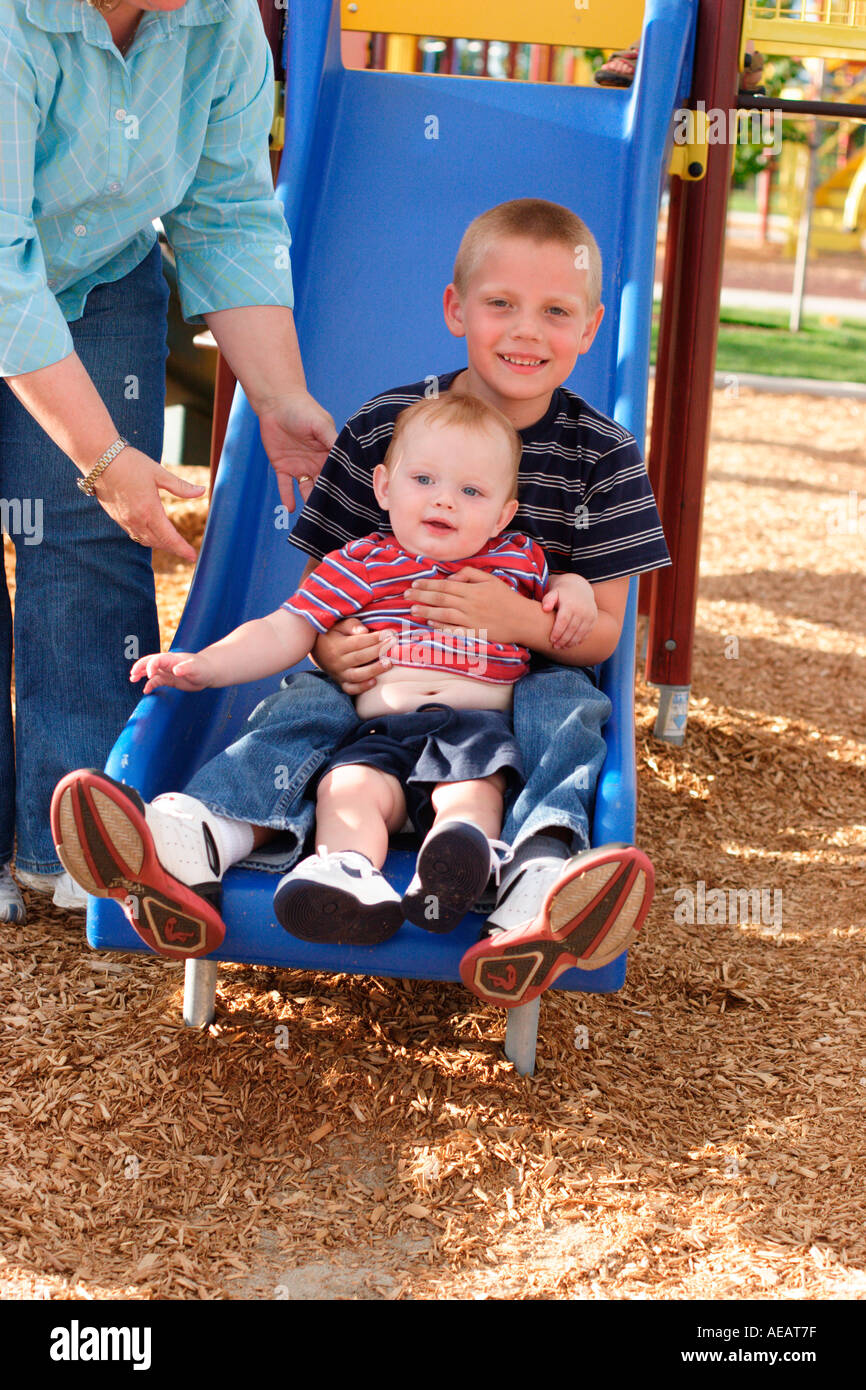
[184,670]
[576,610]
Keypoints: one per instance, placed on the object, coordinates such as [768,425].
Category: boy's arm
[611,596]
[252,651]
[481,602]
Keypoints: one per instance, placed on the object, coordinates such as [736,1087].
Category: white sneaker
[12,907]
[338,897]
[160,861]
[453,868]
[62,887]
[522,895]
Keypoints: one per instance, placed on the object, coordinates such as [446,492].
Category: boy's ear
[506,516]
[453,311]
[591,329]
[380,485]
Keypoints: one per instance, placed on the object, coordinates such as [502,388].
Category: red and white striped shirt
[368,578]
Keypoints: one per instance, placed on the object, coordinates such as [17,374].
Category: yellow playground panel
[798,28]
[808,28]
[570,23]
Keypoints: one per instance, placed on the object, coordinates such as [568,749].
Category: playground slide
[380,174]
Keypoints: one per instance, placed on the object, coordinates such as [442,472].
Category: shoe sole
[588,918]
[328,916]
[452,874]
[104,842]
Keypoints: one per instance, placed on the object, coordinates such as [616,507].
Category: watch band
[87,483]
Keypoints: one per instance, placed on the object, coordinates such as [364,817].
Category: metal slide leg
[520,1035]
[199,992]
[671,720]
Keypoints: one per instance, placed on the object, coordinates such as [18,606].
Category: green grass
[746,200]
[756,340]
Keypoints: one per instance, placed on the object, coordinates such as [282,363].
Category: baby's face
[447,490]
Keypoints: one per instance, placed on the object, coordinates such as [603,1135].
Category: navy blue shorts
[433,744]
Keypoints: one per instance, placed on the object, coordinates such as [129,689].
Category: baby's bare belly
[405,688]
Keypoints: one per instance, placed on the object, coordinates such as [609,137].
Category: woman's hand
[297,435]
[129,491]
[183,670]
[352,655]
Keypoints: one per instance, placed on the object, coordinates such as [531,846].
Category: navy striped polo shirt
[583,488]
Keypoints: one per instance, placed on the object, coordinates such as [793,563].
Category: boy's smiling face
[526,321]
[447,491]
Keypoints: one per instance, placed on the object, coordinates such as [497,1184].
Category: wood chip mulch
[699,1135]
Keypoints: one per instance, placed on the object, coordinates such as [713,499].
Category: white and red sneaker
[160,862]
[589,916]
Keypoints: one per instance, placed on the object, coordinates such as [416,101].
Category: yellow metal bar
[400,52]
[576,23]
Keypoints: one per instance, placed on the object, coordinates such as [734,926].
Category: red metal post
[682,402]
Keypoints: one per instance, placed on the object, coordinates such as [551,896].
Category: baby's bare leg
[357,807]
[479,801]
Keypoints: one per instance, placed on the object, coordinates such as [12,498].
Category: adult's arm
[36,351]
[260,344]
[231,245]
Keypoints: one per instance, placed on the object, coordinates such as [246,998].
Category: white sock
[235,839]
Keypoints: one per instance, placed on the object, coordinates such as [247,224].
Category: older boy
[526,296]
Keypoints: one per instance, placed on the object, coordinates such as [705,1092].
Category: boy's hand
[352,655]
[183,670]
[472,599]
[297,434]
[572,598]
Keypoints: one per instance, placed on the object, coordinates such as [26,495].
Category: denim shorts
[433,744]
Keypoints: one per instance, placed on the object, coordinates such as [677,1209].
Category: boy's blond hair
[539,221]
[459,412]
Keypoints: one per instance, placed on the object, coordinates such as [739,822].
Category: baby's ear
[506,516]
[380,485]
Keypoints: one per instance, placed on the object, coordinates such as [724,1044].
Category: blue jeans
[84,601]
[263,776]
[558,718]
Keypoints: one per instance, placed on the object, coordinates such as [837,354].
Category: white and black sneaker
[338,897]
[159,860]
[453,867]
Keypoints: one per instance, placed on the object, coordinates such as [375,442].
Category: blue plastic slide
[380,175]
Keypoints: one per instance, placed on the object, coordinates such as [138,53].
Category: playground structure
[838,203]
[354,164]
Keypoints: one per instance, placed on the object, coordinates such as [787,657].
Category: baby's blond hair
[459,412]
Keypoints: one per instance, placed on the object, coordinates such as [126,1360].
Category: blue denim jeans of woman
[84,592]
[262,777]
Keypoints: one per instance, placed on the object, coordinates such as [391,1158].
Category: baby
[435,743]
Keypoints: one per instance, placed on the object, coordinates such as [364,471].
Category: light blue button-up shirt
[93,146]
